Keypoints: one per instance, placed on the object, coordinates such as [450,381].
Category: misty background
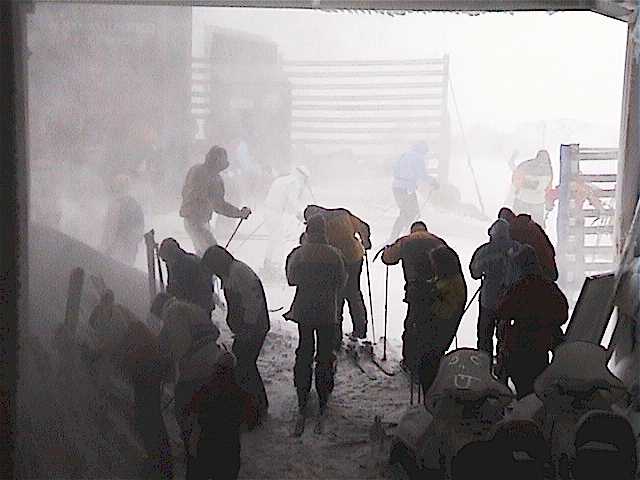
[110,90]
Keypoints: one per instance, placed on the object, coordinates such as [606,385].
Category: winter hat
[217,260]
[121,185]
[311,211]
[168,248]
[500,230]
[446,262]
[418,226]
[421,148]
[316,229]
[216,158]
[507,214]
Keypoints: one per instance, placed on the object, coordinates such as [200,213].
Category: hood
[313,210]
[216,159]
[500,230]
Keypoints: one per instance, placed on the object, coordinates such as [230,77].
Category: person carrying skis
[124,223]
[530,316]
[186,279]
[248,319]
[526,231]
[529,185]
[287,196]
[202,194]
[434,334]
[493,263]
[342,228]
[126,343]
[408,170]
[318,272]
[414,250]
[189,338]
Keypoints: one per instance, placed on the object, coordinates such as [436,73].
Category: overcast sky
[506,69]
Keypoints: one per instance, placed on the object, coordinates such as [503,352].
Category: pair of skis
[357,350]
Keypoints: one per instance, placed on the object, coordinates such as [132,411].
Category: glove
[245,212]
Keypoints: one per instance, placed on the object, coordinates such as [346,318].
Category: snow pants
[352,294]
[487,323]
[247,351]
[201,235]
[149,422]
[419,344]
[407,202]
[523,367]
[309,338]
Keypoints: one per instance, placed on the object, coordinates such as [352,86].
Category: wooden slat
[367,86]
[365,97]
[418,119]
[604,155]
[365,108]
[364,74]
[362,129]
[590,249]
[364,63]
[598,229]
[336,141]
[605,178]
[599,267]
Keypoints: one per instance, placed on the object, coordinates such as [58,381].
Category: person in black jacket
[187,280]
[317,270]
[248,319]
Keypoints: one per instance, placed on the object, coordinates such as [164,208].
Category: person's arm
[476,266]
[219,204]
[393,253]
[362,229]
[291,267]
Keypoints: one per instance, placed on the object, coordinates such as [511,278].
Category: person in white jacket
[288,195]
[529,185]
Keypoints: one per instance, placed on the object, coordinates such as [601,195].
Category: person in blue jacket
[408,171]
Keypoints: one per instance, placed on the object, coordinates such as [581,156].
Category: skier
[248,319]
[124,342]
[434,334]
[408,170]
[493,263]
[124,223]
[529,185]
[530,316]
[414,251]
[526,231]
[186,279]
[342,228]
[202,194]
[288,195]
[318,272]
[188,338]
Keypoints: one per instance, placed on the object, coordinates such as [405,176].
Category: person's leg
[401,198]
[302,369]
[486,328]
[325,360]
[428,369]
[247,374]
[341,300]
[524,368]
[408,338]
[200,234]
[353,295]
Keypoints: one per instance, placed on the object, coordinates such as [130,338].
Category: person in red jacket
[526,231]
[530,316]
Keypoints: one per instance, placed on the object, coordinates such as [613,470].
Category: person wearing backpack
[492,263]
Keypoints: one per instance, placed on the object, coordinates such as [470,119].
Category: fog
[109,93]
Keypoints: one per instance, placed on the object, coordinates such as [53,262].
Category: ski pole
[471,301]
[234,232]
[251,234]
[386,301]
[160,273]
[373,325]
